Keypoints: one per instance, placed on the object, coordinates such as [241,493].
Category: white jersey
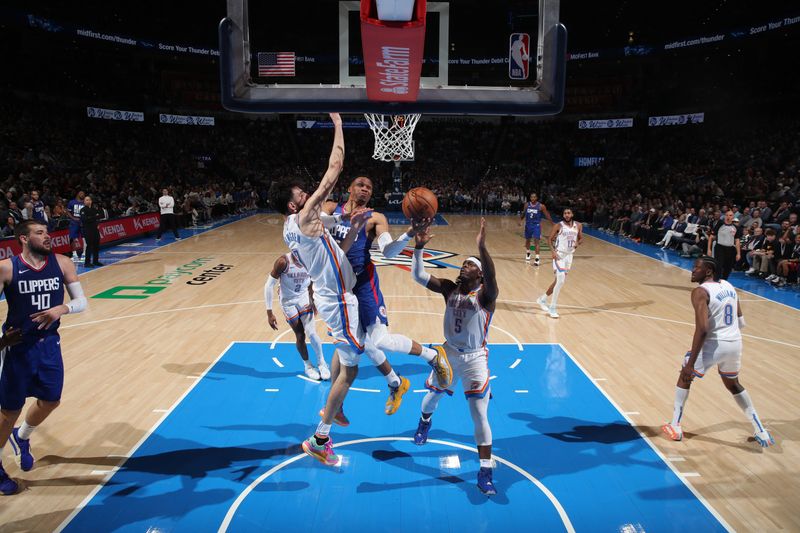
[294,282]
[326,263]
[567,238]
[723,307]
[466,323]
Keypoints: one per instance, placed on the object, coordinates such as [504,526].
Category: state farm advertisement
[110,231]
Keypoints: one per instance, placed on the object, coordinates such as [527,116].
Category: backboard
[307,57]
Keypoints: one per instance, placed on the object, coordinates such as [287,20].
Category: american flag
[276,63]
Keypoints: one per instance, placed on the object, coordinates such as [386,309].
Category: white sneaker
[751,272]
[764,439]
[552,312]
[312,373]
[324,371]
[771,277]
[536,261]
[527,258]
[542,301]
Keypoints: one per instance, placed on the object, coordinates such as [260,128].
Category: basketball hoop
[394,136]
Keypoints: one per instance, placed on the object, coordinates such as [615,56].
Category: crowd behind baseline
[666,186]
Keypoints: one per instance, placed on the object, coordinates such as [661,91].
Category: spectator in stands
[788,266]
[754,219]
[39,212]
[755,241]
[8,229]
[763,257]
[699,245]
[14,211]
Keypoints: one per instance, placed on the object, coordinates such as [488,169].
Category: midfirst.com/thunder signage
[198,272]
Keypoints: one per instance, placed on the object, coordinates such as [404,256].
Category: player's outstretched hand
[336,119]
[11,337]
[421,225]
[46,318]
[481,238]
[273,322]
[358,217]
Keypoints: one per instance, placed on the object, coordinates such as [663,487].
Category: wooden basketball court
[625,318]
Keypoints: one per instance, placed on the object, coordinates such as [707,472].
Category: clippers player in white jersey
[470,303]
[294,294]
[717,341]
[564,239]
[333,278]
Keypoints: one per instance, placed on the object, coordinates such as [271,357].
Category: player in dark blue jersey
[532,214]
[30,360]
[371,307]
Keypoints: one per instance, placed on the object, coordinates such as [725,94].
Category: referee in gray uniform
[725,239]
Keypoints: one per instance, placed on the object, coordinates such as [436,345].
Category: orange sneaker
[674,433]
[339,419]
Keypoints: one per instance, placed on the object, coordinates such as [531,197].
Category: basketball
[420,202]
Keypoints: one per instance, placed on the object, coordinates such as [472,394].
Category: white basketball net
[394,136]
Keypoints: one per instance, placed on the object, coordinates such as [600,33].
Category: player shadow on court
[223,367]
[435,477]
[703,434]
[682,288]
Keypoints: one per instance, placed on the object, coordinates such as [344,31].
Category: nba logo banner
[518,56]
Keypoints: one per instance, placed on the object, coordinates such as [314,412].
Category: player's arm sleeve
[390,248]
[418,270]
[77,302]
[329,221]
[269,290]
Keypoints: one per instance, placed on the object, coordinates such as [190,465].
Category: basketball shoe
[396,396]
[763,438]
[339,419]
[485,481]
[311,372]
[542,301]
[321,452]
[441,367]
[552,311]
[22,449]
[7,485]
[673,432]
[421,436]
[324,371]
[536,261]
[527,257]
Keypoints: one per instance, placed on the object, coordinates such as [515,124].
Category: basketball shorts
[563,263]
[727,355]
[75,232]
[533,231]
[370,298]
[296,308]
[31,369]
[471,368]
[340,314]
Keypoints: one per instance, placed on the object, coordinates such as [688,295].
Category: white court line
[420,390]
[193,377]
[492,377]
[226,522]
[515,363]
[653,446]
[630,413]
[364,390]
[308,379]
[277,362]
[136,446]
[160,410]
[682,269]
[521,391]
[692,474]
[100,472]
[599,379]
[271,390]
[517,342]
[675,459]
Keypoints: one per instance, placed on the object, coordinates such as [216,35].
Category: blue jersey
[358,254]
[74,207]
[533,214]
[38,211]
[31,291]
